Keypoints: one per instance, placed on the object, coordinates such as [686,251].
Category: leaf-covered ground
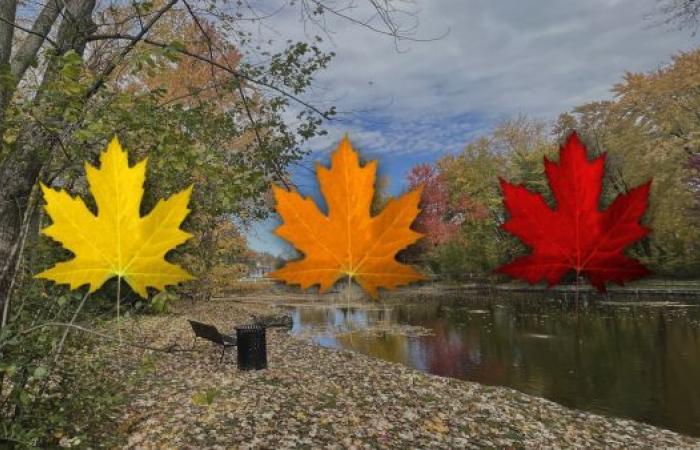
[314,397]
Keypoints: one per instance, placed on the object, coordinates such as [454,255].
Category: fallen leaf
[435,425]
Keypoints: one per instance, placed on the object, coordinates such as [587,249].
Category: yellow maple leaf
[348,241]
[117,241]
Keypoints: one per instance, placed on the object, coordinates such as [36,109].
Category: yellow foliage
[117,241]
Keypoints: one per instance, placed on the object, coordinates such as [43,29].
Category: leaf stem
[577,275]
[119,292]
[347,301]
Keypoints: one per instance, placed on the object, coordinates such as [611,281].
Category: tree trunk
[8,11]
[29,49]
[14,69]
[34,146]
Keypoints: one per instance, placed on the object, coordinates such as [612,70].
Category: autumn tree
[438,220]
[650,131]
[470,177]
[218,258]
[188,83]
[464,204]
[71,72]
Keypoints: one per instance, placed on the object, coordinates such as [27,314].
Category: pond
[635,359]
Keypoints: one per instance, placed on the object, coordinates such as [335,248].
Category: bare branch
[172,348]
[241,92]
[203,31]
[134,40]
[16,254]
[28,30]
[65,332]
[684,13]
[386,14]
[215,64]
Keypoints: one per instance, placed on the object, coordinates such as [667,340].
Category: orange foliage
[347,241]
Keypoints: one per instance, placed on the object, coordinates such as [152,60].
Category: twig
[204,33]
[60,344]
[65,332]
[30,31]
[19,249]
[385,15]
[168,349]
[239,86]
[217,65]
[120,57]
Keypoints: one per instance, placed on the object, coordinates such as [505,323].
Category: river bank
[314,397]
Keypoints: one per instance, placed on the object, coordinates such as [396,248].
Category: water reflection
[620,359]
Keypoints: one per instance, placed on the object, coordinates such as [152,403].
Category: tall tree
[64,66]
[650,130]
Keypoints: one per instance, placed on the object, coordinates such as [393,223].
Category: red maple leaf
[575,235]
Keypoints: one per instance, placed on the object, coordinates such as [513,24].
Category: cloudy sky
[410,102]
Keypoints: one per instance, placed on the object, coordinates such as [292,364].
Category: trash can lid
[249,327]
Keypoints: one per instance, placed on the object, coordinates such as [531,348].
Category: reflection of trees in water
[682,377]
[636,363]
[462,355]
[639,362]
[336,315]
[390,347]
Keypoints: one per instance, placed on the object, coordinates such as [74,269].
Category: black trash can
[252,347]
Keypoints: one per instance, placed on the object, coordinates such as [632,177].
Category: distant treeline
[651,129]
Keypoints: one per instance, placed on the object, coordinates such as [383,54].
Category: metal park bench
[210,333]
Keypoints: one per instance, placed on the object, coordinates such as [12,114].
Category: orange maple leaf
[348,241]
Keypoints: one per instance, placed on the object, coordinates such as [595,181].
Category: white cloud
[500,59]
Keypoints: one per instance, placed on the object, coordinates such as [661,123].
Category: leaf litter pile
[315,397]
